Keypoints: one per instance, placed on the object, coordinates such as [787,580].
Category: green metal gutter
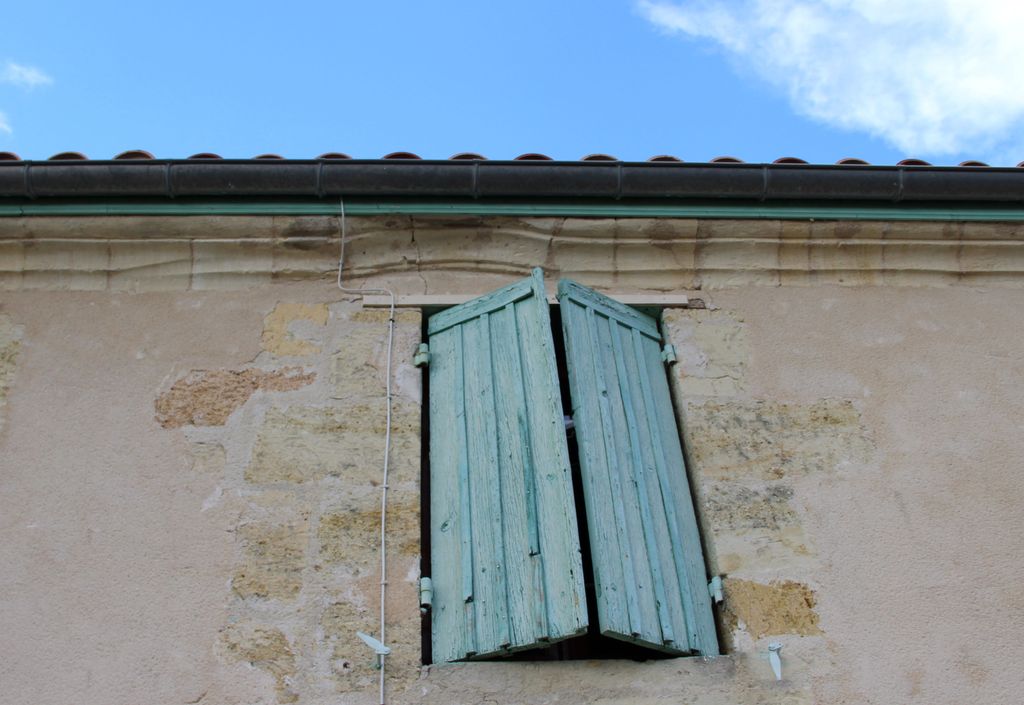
[604,209]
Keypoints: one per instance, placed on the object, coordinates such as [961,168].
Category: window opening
[591,645]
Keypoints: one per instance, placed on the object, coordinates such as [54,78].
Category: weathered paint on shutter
[505,554]
[649,570]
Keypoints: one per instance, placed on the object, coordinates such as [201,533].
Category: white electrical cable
[387,437]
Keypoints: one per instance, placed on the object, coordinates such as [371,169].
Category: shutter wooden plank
[490,600]
[614,354]
[465,486]
[505,557]
[639,477]
[603,492]
[558,535]
[661,512]
[527,616]
[448,504]
[642,590]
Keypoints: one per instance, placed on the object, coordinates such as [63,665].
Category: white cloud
[928,76]
[23,76]
[5,126]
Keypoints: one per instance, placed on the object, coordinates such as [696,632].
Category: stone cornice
[434,254]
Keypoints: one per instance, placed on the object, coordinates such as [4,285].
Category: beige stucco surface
[189,488]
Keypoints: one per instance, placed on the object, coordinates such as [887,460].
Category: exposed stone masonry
[297,441]
[751,461]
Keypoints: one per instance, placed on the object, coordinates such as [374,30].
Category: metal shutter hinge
[422,356]
[715,590]
[426,594]
[668,353]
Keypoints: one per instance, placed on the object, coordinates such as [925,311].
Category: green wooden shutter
[505,555]
[649,570]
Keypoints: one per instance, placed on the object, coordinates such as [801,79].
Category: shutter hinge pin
[426,594]
[668,353]
[422,356]
[715,590]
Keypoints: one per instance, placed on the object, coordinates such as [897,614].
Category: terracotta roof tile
[69,156]
[135,154]
[464,156]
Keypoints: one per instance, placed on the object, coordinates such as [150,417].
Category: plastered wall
[191,485]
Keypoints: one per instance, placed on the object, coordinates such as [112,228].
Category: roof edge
[477,179]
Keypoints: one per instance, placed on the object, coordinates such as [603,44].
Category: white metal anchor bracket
[374,644]
[774,659]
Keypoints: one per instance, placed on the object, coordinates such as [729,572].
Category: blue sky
[757,79]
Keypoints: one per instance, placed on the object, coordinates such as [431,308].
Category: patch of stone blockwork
[307,444]
[359,366]
[297,482]
[209,459]
[353,667]
[272,559]
[265,648]
[351,664]
[712,350]
[730,507]
[771,440]
[352,536]
[752,459]
[278,338]
[209,397]
[10,343]
[782,607]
